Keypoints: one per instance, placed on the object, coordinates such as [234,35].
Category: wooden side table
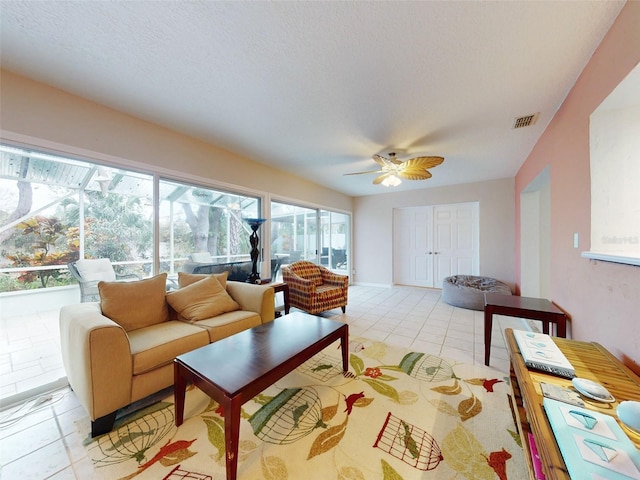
[523,307]
[591,361]
[280,287]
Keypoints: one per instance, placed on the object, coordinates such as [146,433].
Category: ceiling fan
[393,170]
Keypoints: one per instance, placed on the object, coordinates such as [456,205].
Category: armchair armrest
[254,298]
[298,283]
[97,358]
[336,279]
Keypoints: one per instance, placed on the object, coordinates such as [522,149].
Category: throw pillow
[137,304]
[201,300]
[186,279]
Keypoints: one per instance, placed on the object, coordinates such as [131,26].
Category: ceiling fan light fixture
[391,170]
[391,181]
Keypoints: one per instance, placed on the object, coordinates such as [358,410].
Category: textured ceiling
[317,88]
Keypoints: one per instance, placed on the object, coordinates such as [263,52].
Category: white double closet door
[433,242]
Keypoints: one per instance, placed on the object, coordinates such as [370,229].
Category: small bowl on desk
[629,415]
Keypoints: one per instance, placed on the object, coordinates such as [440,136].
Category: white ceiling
[317,88]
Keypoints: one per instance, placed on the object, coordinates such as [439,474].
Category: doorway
[435,242]
[535,237]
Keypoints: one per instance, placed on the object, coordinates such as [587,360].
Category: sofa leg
[344,309]
[103,425]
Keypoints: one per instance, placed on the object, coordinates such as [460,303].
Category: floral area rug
[398,415]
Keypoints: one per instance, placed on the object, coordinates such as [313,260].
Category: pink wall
[602,298]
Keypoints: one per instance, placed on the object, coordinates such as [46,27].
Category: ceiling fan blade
[380,161]
[414,174]
[378,180]
[413,169]
[363,173]
[392,159]
[423,162]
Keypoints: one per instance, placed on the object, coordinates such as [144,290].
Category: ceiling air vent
[525,121]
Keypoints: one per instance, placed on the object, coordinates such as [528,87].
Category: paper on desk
[600,428]
[620,463]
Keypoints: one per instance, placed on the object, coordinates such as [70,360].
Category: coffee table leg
[488,325]
[344,343]
[179,389]
[231,435]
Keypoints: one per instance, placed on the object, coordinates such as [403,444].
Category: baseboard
[21,397]
[377,285]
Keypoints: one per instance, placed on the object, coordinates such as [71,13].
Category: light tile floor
[41,441]
[29,352]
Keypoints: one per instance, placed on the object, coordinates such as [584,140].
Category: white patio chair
[88,272]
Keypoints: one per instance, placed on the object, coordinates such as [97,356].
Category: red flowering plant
[51,242]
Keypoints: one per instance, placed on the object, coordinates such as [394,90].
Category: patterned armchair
[314,288]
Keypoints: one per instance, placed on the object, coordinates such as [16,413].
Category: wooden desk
[591,361]
[523,307]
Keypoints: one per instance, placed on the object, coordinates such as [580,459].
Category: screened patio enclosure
[55,210]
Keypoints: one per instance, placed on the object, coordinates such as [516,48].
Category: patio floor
[29,352]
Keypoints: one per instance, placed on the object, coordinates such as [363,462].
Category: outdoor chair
[88,272]
[314,288]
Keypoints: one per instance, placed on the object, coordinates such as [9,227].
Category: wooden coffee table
[237,368]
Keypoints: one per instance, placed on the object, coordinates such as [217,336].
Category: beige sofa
[121,349]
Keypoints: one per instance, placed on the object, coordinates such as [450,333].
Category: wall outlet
[576,240]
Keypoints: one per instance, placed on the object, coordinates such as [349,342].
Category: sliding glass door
[334,240]
[294,233]
[302,233]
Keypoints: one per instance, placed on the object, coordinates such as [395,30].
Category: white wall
[535,237]
[373,228]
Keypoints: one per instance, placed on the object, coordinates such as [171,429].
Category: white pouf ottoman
[467,291]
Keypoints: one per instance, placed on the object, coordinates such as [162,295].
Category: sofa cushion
[185,279]
[137,304]
[157,345]
[229,324]
[203,299]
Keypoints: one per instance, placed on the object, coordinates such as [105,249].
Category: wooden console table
[591,361]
